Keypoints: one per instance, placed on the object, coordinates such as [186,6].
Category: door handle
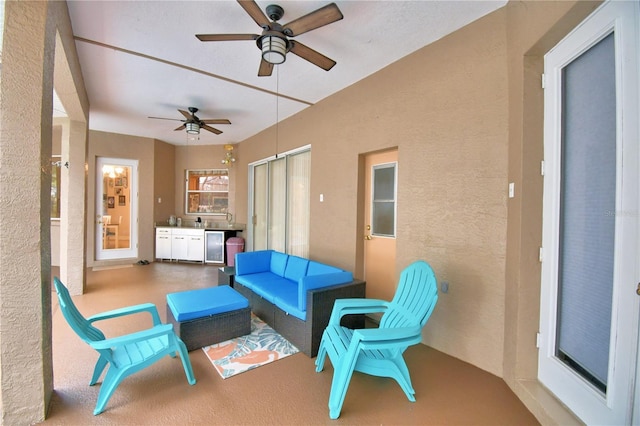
[368,237]
[638,290]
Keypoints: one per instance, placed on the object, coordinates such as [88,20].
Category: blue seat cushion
[296,268]
[192,304]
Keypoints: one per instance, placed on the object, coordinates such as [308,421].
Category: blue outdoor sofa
[295,295]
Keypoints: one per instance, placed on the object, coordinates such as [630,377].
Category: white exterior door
[590,270]
[116,231]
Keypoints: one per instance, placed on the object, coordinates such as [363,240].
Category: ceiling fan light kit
[274,49]
[193,128]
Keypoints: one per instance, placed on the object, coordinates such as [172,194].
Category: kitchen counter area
[202,242]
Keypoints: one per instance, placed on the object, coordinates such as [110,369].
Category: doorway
[116,230]
[380,213]
[589,306]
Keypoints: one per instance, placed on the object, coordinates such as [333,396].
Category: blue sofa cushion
[253,262]
[192,304]
[316,268]
[288,302]
[278,263]
[296,268]
[268,285]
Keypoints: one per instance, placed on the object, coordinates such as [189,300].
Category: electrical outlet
[444,286]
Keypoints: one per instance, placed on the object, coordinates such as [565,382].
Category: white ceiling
[141,59]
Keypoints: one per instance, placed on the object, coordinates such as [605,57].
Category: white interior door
[589,306]
[116,230]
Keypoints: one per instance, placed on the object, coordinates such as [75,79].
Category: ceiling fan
[274,41]
[193,124]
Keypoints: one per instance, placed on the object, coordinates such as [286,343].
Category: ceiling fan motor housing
[275,12]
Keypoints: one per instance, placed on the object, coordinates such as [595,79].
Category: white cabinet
[195,246]
[163,243]
[184,244]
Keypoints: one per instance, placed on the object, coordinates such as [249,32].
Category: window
[207,192]
[55,186]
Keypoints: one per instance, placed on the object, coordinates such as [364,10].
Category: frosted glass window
[383,209]
[587,221]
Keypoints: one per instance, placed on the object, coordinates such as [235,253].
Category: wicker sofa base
[212,329]
[306,335]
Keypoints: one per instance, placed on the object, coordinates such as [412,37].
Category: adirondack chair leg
[403,378]
[341,378]
[321,357]
[186,364]
[98,369]
[109,385]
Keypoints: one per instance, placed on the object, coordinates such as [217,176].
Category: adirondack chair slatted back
[76,320]
[415,298]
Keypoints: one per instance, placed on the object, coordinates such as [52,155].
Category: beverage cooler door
[214,246]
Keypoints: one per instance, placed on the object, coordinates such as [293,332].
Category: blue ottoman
[210,315]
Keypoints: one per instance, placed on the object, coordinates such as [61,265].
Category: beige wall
[163,177]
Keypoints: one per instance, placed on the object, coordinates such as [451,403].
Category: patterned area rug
[262,346]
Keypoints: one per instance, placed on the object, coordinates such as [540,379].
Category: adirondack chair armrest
[383,338]
[342,307]
[157,331]
[129,310]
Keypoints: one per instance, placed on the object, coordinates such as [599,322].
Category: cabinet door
[163,244]
[179,247]
[195,248]
[215,246]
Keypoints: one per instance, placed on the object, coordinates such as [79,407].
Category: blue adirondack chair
[126,354]
[378,351]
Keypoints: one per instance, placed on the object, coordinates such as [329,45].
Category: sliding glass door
[279,203]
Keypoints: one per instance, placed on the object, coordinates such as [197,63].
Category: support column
[73,208]
[26,87]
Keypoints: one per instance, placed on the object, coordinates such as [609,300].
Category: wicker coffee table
[206,316]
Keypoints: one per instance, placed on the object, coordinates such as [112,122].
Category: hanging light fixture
[274,49]
[193,128]
[228,155]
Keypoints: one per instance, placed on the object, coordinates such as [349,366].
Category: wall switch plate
[512,189]
[444,286]
[321,198]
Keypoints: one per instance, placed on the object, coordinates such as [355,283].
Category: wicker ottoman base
[200,332]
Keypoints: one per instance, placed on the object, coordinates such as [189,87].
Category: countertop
[221,226]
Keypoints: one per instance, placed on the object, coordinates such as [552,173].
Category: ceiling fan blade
[226,37]
[311,55]
[186,114]
[319,18]
[252,8]
[216,121]
[266,68]
[211,129]
[181,127]
[162,118]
